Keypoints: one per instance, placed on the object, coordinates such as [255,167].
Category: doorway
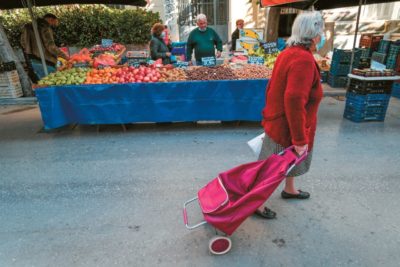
[215,10]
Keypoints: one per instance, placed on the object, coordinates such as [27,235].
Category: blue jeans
[38,68]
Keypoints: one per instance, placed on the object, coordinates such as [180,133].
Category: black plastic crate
[7,66]
[337,81]
[341,56]
[394,50]
[339,69]
[369,87]
[378,57]
[391,60]
[365,63]
[384,46]
[391,63]
[324,76]
[366,52]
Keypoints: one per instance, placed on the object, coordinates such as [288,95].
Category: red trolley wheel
[220,245]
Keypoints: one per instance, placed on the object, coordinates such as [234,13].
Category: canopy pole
[37,37]
[355,35]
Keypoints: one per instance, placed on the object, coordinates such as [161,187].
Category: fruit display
[74,76]
[222,72]
[154,73]
[246,72]
[96,56]
[104,60]
[82,58]
[269,59]
[123,75]
[172,75]
[115,47]
[239,59]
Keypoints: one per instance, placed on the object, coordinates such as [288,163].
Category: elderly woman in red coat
[293,96]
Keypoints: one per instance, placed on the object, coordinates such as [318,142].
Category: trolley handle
[185,217]
[298,159]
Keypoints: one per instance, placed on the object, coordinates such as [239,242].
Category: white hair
[201,17]
[306,27]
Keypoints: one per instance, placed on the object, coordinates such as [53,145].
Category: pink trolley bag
[234,195]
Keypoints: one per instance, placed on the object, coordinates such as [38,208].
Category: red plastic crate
[370,41]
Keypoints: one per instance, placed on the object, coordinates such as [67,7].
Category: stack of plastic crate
[367,100]
[340,66]
[10,86]
[369,43]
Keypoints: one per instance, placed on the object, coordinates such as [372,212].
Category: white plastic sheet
[256,143]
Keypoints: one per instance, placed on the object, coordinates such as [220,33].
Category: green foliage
[86,25]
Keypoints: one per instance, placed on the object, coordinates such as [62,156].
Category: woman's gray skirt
[269,147]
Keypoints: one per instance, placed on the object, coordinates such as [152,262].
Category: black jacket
[235,36]
[158,49]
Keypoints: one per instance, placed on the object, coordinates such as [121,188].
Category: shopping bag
[256,143]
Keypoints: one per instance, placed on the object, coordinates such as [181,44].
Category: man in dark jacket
[203,40]
[50,50]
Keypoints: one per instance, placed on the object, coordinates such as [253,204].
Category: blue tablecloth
[153,102]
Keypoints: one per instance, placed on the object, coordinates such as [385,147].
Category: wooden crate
[10,86]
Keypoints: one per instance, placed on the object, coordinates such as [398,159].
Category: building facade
[180,16]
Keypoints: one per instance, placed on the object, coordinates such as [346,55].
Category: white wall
[157,6]
[372,19]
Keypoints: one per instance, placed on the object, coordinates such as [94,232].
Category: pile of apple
[123,75]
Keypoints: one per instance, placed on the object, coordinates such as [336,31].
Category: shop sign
[136,62]
[270,48]
[256,60]
[106,42]
[208,61]
[181,64]
[100,66]
[81,65]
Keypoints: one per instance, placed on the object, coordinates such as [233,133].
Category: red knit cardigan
[292,99]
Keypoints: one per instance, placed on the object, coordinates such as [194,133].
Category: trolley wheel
[220,245]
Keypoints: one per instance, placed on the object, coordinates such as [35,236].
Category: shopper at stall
[236,34]
[167,38]
[50,50]
[158,48]
[292,100]
[203,40]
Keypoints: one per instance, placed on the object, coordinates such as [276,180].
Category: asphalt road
[78,197]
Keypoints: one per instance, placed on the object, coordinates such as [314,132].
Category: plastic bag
[256,143]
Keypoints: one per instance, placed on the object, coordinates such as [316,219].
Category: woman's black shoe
[266,213]
[300,195]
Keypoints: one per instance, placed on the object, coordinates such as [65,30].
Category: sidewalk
[79,197]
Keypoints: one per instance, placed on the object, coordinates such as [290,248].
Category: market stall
[95,87]
[152,102]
